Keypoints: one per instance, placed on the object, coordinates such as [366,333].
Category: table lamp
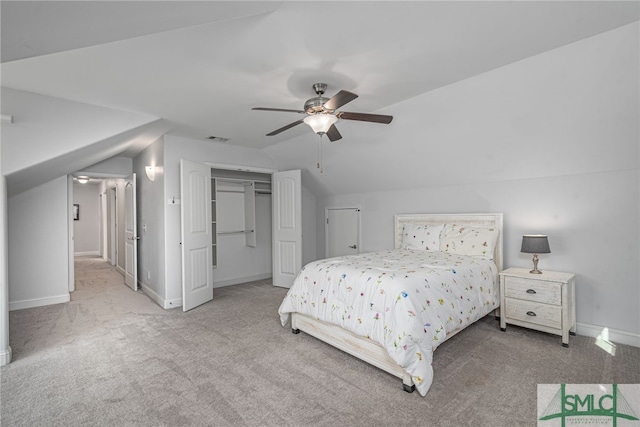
[535,244]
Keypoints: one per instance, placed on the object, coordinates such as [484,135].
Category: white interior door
[195,209]
[286,196]
[342,236]
[103,216]
[130,233]
[113,226]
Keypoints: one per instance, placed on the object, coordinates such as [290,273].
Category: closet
[241,226]
[212,220]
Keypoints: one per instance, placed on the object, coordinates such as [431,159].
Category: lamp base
[535,265]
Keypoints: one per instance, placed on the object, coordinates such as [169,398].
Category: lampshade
[320,123]
[535,244]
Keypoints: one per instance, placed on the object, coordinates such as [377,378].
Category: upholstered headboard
[479,220]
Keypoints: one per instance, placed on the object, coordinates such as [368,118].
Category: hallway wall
[86,230]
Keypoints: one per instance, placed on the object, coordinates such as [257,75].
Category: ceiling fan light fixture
[320,123]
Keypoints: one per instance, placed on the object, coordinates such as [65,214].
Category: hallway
[100,300]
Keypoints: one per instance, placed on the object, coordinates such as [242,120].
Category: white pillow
[421,237]
[463,240]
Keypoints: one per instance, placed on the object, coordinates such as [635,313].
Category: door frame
[113,224]
[71,236]
[326,226]
[102,196]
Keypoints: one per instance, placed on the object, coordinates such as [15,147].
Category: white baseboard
[608,334]
[172,303]
[38,302]
[166,304]
[5,356]
[89,253]
[238,280]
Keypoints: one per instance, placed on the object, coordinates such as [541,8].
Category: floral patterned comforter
[405,300]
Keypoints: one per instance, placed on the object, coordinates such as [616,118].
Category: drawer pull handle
[531,313]
[531,291]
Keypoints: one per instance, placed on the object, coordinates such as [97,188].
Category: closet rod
[240,180]
[228,233]
[230,191]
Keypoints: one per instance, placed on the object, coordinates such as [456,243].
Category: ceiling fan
[322,115]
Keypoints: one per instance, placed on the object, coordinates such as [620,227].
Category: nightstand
[544,302]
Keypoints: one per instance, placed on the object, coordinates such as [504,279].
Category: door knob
[353,247]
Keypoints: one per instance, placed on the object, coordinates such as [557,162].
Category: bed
[393,308]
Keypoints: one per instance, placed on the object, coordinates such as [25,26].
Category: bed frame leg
[407,383]
[409,389]
[295,331]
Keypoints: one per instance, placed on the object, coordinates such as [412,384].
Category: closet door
[195,209]
[286,196]
[342,231]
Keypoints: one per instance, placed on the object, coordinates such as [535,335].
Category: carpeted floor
[112,357]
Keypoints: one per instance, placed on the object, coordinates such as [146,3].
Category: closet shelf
[228,233]
[231,191]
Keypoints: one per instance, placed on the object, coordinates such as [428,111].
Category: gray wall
[86,230]
[38,236]
[553,143]
[151,223]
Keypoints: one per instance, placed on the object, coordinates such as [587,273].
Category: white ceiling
[202,65]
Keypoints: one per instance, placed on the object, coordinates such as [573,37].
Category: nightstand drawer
[532,290]
[534,312]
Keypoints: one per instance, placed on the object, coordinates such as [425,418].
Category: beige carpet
[112,357]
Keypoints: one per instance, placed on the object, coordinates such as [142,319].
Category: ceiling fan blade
[364,117]
[339,99]
[283,110]
[333,134]
[282,129]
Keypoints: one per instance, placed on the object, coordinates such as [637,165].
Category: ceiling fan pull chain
[320,154]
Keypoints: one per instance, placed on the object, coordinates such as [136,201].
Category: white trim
[238,280]
[88,253]
[172,303]
[5,356]
[166,304]
[71,284]
[120,270]
[151,294]
[38,302]
[227,166]
[615,335]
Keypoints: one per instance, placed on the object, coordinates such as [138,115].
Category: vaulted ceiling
[203,65]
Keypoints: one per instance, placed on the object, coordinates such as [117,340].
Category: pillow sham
[464,240]
[421,237]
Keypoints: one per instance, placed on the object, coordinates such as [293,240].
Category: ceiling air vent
[218,138]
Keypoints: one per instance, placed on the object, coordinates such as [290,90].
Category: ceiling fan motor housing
[315,105]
